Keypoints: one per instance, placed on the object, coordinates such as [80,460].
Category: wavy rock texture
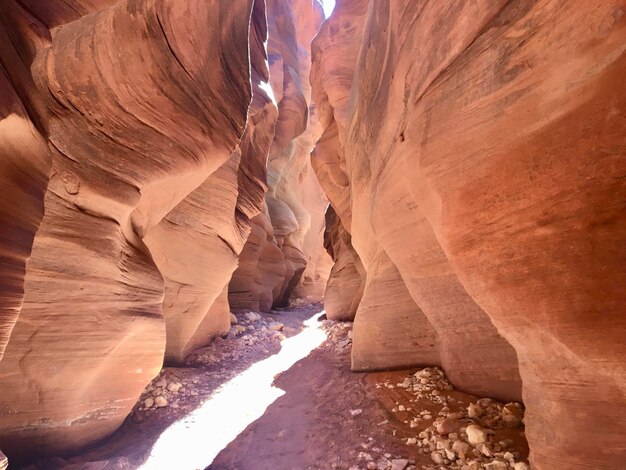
[138,118]
[24,168]
[347,276]
[484,151]
[334,52]
[196,246]
[295,202]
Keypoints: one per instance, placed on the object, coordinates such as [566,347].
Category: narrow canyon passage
[312,234]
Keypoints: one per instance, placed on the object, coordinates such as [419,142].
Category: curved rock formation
[483,155]
[24,169]
[197,244]
[138,117]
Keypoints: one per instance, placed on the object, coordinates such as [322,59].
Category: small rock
[405,384]
[474,410]
[252,316]
[237,330]
[475,435]
[148,402]
[411,441]
[445,426]
[512,414]
[436,457]
[520,466]
[371,466]
[496,465]
[174,387]
[233,319]
[356,412]
[460,448]
[399,464]
[160,402]
[276,326]
[162,383]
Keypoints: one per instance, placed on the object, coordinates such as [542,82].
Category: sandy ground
[328,417]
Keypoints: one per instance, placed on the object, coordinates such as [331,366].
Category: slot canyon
[313,234]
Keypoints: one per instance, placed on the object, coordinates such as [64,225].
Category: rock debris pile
[479,435]
[339,334]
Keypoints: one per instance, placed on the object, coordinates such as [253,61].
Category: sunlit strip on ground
[193,442]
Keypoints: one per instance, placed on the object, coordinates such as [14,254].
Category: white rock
[356,412]
[496,465]
[237,330]
[474,410]
[520,466]
[371,466]
[460,448]
[174,387]
[411,441]
[160,402]
[512,414]
[148,402]
[405,384]
[276,326]
[161,383]
[252,316]
[436,457]
[399,464]
[475,435]
[233,319]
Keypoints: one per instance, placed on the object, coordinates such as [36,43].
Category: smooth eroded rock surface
[137,119]
[484,152]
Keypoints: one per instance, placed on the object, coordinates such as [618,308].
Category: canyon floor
[278,393]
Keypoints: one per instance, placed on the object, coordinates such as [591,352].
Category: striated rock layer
[482,145]
[150,190]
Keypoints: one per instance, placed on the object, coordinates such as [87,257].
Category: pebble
[160,402]
[474,410]
[233,319]
[371,466]
[436,457]
[496,465]
[512,415]
[237,330]
[276,326]
[162,383]
[475,434]
[174,387]
[398,464]
[356,412]
[148,402]
[252,316]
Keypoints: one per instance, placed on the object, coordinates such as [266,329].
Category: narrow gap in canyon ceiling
[289,234]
